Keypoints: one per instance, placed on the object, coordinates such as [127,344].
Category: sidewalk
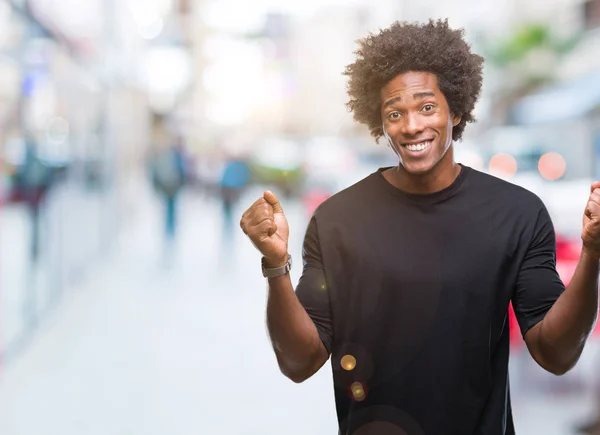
[142,349]
[70,241]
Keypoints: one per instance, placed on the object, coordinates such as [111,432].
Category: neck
[440,177]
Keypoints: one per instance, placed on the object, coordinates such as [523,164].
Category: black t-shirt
[410,295]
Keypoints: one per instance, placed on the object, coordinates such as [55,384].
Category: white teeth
[418,147]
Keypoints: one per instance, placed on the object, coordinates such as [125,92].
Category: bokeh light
[348,362]
[503,165]
[552,166]
[359,391]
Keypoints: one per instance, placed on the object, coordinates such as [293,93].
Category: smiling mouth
[421,146]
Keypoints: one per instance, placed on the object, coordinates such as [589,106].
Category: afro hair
[432,47]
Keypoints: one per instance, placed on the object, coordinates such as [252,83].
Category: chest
[419,271]
[419,249]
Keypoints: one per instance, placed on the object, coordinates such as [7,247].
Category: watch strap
[271,272]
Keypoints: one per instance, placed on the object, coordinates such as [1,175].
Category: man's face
[417,120]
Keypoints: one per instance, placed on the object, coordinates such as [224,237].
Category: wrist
[273,262]
[275,267]
[590,254]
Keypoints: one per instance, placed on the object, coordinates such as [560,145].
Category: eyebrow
[417,96]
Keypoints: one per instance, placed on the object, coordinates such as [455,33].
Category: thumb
[272,199]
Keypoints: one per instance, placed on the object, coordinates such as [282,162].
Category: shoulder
[347,200]
[505,193]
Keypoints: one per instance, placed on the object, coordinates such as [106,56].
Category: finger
[593,210]
[245,223]
[265,229]
[259,213]
[259,220]
[595,185]
[257,203]
[272,199]
[250,211]
[596,191]
[595,196]
[243,220]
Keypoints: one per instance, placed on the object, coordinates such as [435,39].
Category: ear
[456,120]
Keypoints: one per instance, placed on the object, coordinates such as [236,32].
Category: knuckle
[262,209]
[252,232]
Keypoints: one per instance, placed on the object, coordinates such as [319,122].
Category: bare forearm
[566,327]
[295,338]
[294,335]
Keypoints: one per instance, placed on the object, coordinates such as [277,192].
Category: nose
[413,125]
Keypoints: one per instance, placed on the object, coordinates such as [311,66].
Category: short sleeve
[312,286]
[538,283]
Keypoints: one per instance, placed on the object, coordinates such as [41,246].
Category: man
[408,274]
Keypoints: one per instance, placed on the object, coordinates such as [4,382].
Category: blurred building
[76,89]
[559,113]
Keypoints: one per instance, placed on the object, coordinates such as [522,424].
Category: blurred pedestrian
[408,274]
[234,180]
[32,181]
[169,176]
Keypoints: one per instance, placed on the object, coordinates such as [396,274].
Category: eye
[428,107]
[394,115]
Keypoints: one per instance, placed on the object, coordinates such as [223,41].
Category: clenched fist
[591,222]
[266,226]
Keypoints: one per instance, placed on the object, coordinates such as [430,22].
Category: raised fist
[591,221]
[266,226]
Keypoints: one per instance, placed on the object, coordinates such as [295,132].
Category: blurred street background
[134,133]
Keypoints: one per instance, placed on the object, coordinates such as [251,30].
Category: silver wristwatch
[276,271]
